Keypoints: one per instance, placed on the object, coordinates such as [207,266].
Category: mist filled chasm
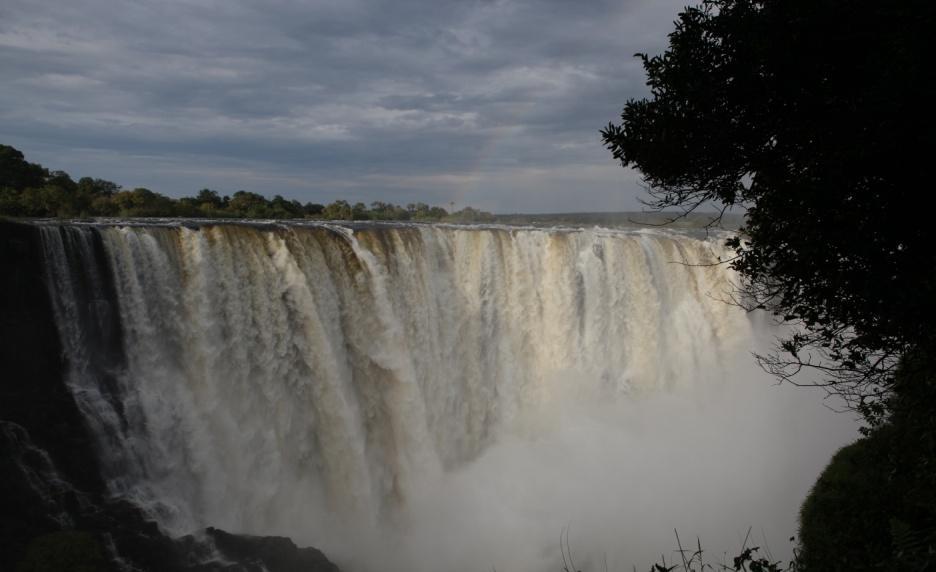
[433,397]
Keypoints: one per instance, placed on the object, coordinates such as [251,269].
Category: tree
[249,205]
[359,211]
[141,202]
[93,195]
[313,209]
[388,211]
[97,187]
[209,200]
[817,117]
[470,214]
[16,172]
[338,210]
[418,210]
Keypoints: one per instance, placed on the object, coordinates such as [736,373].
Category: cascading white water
[315,381]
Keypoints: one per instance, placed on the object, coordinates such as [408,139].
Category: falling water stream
[429,397]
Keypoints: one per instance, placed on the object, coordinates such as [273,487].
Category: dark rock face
[41,424]
[54,504]
[32,393]
[273,553]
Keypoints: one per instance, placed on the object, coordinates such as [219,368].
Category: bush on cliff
[874,506]
[844,520]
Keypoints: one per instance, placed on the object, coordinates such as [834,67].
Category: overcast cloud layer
[496,104]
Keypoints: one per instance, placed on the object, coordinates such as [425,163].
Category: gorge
[403,396]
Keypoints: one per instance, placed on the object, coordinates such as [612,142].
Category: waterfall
[284,378]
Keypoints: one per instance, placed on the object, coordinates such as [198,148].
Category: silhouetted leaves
[817,117]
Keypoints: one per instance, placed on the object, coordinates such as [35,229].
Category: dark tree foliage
[313,209]
[30,190]
[16,172]
[847,504]
[817,117]
[874,506]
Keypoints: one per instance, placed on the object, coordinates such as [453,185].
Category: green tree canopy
[141,202]
[817,117]
[30,190]
[17,173]
[210,199]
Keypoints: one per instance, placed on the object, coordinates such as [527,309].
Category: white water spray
[435,398]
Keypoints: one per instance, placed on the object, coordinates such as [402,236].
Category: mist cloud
[735,452]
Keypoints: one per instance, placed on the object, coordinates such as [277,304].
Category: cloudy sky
[491,103]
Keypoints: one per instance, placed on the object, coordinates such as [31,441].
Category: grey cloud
[497,102]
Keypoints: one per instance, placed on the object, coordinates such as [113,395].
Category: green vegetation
[749,560]
[817,117]
[689,559]
[873,506]
[72,550]
[30,190]
[846,504]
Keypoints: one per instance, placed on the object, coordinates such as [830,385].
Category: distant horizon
[450,207]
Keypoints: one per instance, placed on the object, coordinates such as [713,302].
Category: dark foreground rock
[273,553]
[55,511]
[211,551]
